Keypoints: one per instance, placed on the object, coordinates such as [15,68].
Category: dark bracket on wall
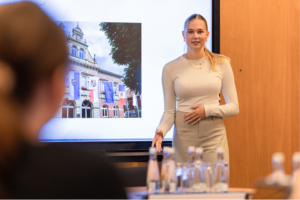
[216,26]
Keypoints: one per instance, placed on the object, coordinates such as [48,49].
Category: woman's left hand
[196,115]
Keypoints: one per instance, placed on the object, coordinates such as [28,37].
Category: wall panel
[262,40]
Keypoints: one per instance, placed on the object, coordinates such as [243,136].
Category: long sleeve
[231,108]
[168,117]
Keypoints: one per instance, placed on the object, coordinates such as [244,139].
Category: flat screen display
[117,50]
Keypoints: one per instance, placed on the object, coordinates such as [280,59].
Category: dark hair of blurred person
[33,60]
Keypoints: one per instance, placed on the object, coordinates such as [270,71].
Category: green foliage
[125,42]
[61,26]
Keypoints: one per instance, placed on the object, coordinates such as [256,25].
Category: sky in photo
[97,42]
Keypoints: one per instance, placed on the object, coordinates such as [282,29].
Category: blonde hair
[213,58]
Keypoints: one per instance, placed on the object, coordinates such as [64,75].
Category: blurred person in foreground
[33,61]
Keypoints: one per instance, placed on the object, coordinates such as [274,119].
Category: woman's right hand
[158,138]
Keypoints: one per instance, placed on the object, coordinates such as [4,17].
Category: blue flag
[74,85]
[109,92]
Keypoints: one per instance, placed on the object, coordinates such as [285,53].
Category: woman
[33,60]
[194,80]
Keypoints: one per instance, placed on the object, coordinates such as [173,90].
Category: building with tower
[88,104]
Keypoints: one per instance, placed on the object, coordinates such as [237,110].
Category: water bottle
[191,153]
[152,173]
[179,177]
[184,177]
[198,154]
[171,178]
[295,180]
[208,177]
[163,168]
[296,167]
[190,169]
[199,182]
[220,172]
[278,175]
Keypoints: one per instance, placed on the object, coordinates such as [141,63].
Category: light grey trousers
[209,133]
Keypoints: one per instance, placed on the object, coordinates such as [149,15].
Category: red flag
[91,95]
[122,98]
[122,101]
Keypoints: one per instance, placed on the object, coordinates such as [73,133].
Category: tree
[61,26]
[125,42]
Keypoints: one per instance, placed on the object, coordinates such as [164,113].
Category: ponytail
[214,58]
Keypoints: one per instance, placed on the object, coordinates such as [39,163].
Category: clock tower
[77,33]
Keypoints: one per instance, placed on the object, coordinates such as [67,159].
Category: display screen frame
[127,149]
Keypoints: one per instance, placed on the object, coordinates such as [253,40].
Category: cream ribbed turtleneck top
[189,84]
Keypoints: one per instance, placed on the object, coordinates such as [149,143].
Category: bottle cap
[296,157]
[171,150]
[165,149]
[152,150]
[199,150]
[278,157]
[191,149]
[220,150]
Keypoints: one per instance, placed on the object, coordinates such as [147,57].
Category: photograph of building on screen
[104,78]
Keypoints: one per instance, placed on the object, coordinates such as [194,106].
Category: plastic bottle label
[152,187]
[221,187]
[163,184]
[172,187]
[199,187]
[203,187]
[196,187]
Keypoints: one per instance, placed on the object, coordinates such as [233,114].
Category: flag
[134,100]
[67,80]
[74,85]
[93,87]
[93,83]
[122,98]
[94,96]
[91,95]
[109,92]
